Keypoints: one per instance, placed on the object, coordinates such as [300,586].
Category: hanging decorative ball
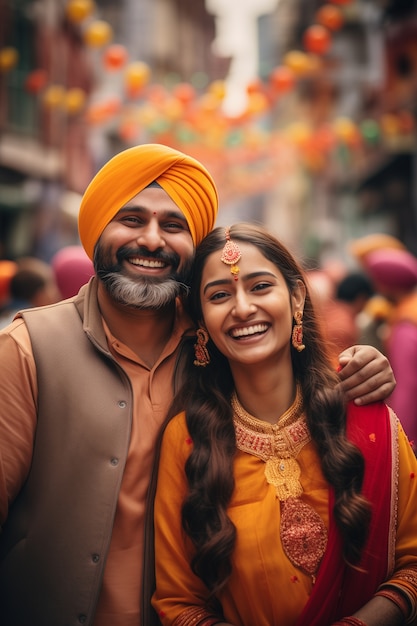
[317,39]
[346,131]
[254,86]
[184,92]
[54,96]
[282,79]
[101,112]
[77,10]
[297,61]
[98,34]
[217,89]
[35,81]
[370,131]
[74,100]
[330,16]
[137,75]
[8,59]
[115,57]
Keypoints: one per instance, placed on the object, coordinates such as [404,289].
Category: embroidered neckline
[277,444]
[303,533]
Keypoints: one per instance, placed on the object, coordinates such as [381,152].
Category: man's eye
[174,226]
[131,219]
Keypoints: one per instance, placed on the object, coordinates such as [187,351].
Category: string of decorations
[191,118]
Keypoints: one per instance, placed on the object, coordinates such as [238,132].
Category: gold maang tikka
[231,254]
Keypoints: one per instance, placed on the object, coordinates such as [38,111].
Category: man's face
[144,255]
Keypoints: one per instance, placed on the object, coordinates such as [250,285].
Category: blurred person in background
[340,313]
[394,274]
[85,385]
[7,271]
[72,268]
[32,285]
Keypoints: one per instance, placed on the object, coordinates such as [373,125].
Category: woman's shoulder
[176,429]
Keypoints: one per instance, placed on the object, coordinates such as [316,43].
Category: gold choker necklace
[303,533]
[276,444]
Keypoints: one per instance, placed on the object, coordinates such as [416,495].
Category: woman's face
[249,319]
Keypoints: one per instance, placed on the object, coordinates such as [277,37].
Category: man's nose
[151,236]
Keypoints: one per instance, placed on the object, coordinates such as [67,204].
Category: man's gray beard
[144,294]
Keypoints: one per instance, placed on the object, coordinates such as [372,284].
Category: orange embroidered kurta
[265,588]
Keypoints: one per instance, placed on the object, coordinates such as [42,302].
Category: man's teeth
[249,330]
[147,262]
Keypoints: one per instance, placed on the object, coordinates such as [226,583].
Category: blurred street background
[304,111]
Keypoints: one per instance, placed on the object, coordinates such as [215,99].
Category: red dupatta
[341,590]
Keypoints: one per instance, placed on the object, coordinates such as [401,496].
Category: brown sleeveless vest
[54,544]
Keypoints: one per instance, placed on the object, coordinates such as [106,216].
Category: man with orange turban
[85,385]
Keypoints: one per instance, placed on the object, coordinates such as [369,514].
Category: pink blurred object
[72,269]
[392,269]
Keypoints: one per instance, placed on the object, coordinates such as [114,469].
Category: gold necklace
[303,533]
[276,444]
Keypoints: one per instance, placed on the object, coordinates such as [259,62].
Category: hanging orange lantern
[406,122]
[342,2]
[317,39]
[299,133]
[137,75]
[54,96]
[74,100]
[8,59]
[330,16]
[254,86]
[184,92]
[101,112]
[115,57]
[218,89]
[257,104]
[389,124]
[129,130]
[282,79]
[346,131]
[77,10]
[35,81]
[98,34]
[297,61]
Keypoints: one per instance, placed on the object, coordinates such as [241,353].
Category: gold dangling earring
[202,357]
[297,332]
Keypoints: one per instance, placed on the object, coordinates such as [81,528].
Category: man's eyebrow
[228,281]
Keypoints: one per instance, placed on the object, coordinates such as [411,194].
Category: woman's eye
[261,286]
[219,295]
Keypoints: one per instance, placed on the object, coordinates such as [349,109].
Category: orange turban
[184,179]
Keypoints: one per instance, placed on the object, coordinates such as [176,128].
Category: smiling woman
[273,505]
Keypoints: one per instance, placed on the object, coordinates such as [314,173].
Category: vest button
[122,404]
[82,618]
[95,558]
[114,461]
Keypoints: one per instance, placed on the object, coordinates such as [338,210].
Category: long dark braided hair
[206,395]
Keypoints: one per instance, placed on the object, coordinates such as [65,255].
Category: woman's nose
[244,307]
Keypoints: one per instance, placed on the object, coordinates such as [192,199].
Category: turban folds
[183,178]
